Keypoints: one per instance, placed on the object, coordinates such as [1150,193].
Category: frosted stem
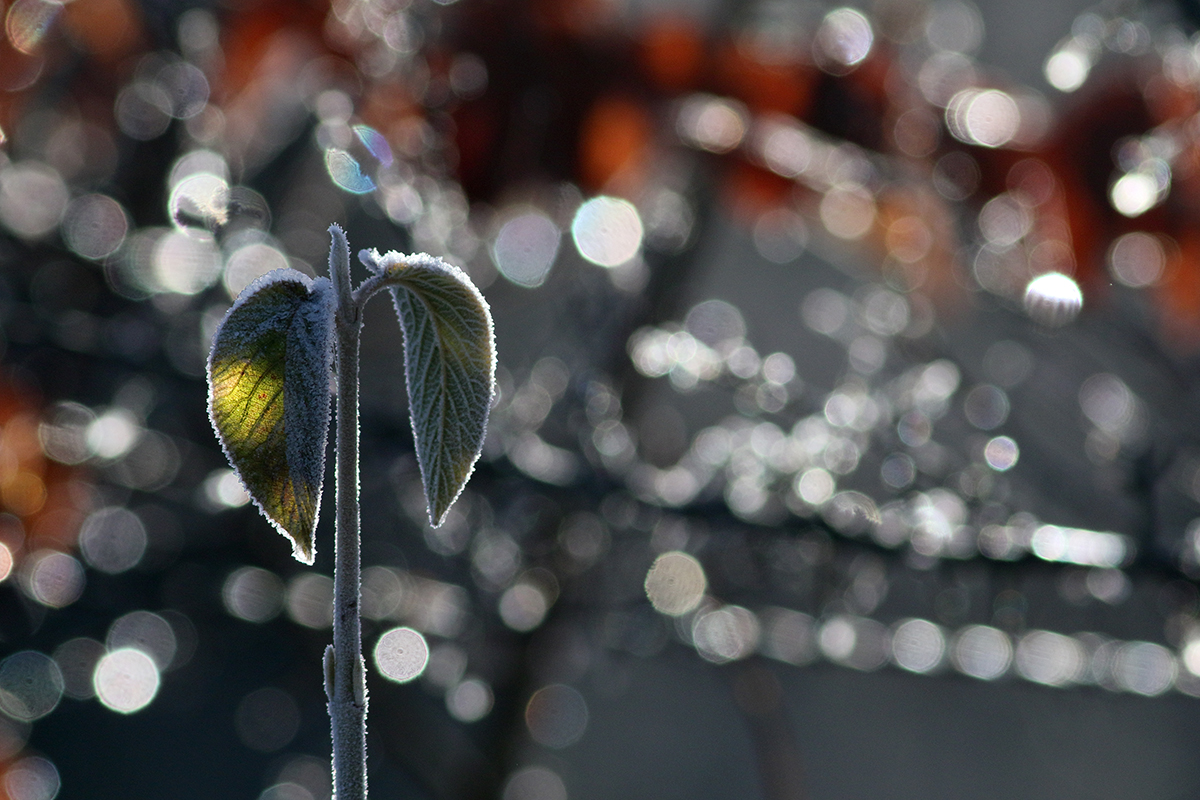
[345,681]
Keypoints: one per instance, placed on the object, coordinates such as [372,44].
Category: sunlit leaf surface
[269,397]
[450,365]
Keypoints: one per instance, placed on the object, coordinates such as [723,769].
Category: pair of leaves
[269,382]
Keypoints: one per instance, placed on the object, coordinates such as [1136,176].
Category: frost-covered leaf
[450,367]
[268,398]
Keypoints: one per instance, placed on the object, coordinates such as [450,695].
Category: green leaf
[268,398]
[449,367]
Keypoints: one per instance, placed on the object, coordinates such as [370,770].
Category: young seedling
[268,377]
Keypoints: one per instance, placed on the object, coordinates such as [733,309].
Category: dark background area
[805,375]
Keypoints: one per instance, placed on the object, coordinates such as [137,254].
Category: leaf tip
[339,262]
[370,259]
[305,555]
[339,247]
[438,512]
[303,539]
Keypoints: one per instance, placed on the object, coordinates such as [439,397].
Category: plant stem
[347,684]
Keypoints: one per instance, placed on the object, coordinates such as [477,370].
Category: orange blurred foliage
[614,143]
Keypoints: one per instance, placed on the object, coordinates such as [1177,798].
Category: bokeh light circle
[6,562]
[95,226]
[675,583]
[1053,299]
[32,778]
[1001,453]
[1067,69]
[286,791]
[1049,658]
[1135,193]
[401,654]
[525,248]
[726,634]
[186,262]
[33,198]
[1144,668]
[918,645]
[253,594]
[248,263]
[113,540]
[470,700]
[310,600]
[27,23]
[1137,259]
[843,40]
[982,652]
[523,606]
[201,200]
[147,632]
[52,578]
[534,783]
[346,172]
[31,685]
[556,715]
[607,231]
[126,680]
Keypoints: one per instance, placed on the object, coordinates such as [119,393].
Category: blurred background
[845,444]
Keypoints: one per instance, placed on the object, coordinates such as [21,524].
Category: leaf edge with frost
[411,279]
[308,353]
